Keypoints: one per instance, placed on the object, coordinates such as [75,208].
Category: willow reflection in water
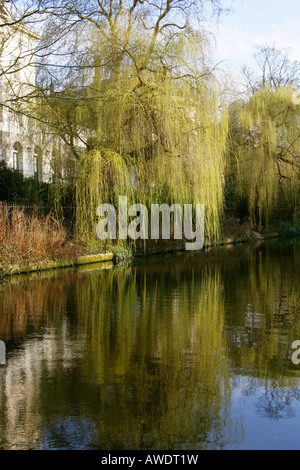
[157,355]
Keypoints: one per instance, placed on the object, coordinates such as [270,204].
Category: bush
[288,229]
[15,188]
[18,189]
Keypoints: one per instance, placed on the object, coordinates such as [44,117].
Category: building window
[1,99]
[35,165]
[37,170]
[16,157]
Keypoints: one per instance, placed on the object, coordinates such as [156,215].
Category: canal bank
[121,254]
[56,264]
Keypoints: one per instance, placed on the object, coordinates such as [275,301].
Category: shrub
[288,229]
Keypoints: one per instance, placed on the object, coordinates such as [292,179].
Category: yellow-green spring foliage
[160,132]
[265,145]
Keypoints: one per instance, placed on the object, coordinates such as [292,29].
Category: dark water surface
[176,352]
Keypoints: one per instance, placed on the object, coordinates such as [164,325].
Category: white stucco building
[24,144]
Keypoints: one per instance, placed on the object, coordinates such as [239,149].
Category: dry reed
[26,239]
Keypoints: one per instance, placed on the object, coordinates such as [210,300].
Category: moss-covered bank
[122,254]
[54,264]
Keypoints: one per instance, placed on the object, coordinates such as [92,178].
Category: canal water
[184,351]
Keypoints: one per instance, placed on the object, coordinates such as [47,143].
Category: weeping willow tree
[264,138]
[159,134]
[147,110]
[265,146]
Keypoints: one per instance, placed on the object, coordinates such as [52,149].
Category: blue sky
[255,22]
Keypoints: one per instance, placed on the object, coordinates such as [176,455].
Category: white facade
[23,144]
